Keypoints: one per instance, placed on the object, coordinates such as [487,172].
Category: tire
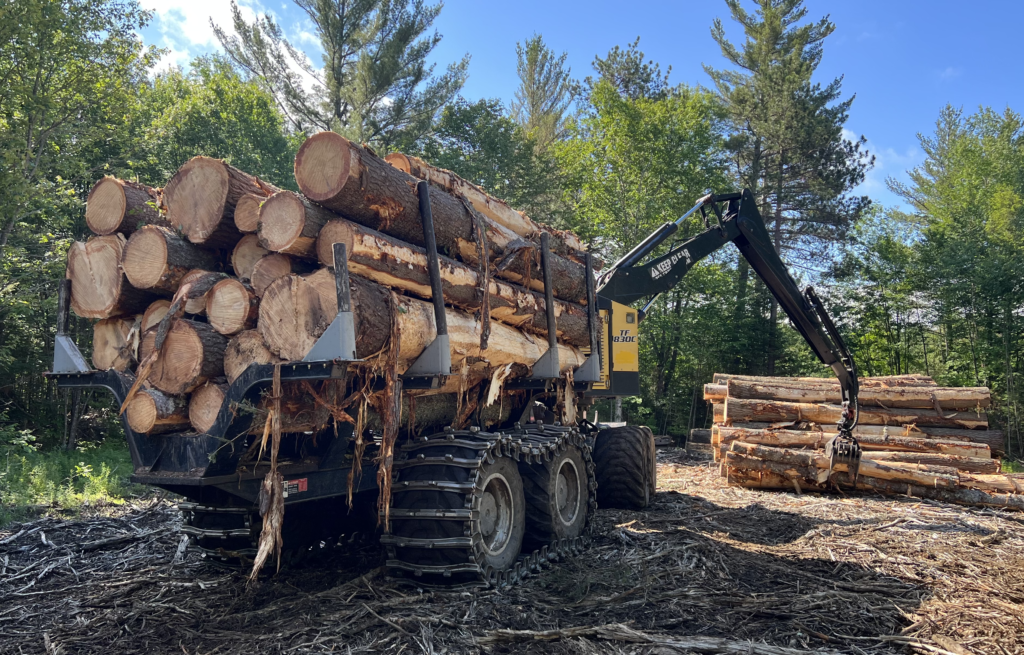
[501,478]
[556,498]
[623,457]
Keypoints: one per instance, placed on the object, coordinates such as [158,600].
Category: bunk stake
[338,342]
[590,371]
[547,367]
[66,356]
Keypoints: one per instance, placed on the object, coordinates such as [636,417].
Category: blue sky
[903,59]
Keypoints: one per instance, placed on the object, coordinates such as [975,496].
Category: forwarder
[482,505]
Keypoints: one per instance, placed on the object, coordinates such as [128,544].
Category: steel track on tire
[532,445]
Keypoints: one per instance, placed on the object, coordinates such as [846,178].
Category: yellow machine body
[620,350]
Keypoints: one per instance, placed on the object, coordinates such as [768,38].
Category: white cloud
[185,28]
[889,162]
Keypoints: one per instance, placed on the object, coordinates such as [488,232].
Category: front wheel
[626,470]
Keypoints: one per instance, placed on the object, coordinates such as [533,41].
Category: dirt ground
[706,569]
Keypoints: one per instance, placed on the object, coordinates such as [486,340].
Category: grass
[1012,466]
[34,481]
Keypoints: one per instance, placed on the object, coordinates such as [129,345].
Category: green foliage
[375,87]
[546,91]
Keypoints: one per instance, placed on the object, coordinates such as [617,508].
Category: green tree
[629,74]
[375,85]
[483,145]
[545,93]
[787,144]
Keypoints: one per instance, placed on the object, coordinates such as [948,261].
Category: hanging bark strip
[360,443]
[271,498]
[389,405]
[483,293]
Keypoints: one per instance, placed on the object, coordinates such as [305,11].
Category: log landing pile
[916,438]
[192,283]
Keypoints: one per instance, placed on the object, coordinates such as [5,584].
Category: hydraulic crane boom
[630,281]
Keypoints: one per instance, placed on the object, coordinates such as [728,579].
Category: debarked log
[740,409]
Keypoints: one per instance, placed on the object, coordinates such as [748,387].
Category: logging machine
[480,496]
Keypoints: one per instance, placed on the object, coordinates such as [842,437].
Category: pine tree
[788,145]
[546,91]
[375,85]
[631,76]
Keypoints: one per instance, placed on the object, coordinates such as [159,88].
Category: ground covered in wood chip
[707,569]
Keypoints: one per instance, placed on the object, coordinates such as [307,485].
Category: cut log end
[98,287]
[291,318]
[192,353]
[281,220]
[151,411]
[205,405]
[246,253]
[244,349]
[196,196]
[111,344]
[322,165]
[334,232]
[247,213]
[268,269]
[106,206]
[145,258]
[155,313]
[231,307]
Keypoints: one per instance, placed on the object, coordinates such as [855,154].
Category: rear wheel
[556,497]
[626,471]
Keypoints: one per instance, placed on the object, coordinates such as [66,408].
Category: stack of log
[916,438]
[219,270]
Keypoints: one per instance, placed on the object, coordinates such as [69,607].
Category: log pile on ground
[219,270]
[916,438]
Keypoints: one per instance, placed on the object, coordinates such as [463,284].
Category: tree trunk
[111,348]
[868,442]
[965,398]
[246,253]
[157,259]
[231,306]
[348,179]
[193,353]
[388,261]
[563,243]
[201,199]
[121,206]
[247,213]
[98,285]
[205,405]
[154,314]
[739,409]
[244,349]
[290,224]
[153,412]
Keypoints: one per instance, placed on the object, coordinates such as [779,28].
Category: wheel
[556,497]
[624,458]
[502,513]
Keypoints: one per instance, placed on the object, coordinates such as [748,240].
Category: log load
[881,381]
[741,409]
[112,346]
[192,353]
[289,224]
[246,253]
[201,199]
[562,243]
[151,411]
[393,263]
[244,349]
[121,206]
[99,288]
[348,179]
[231,306]
[154,314]
[156,259]
[205,404]
[247,213]
[964,398]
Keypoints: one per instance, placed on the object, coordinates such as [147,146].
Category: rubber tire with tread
[626,475]
[539,487]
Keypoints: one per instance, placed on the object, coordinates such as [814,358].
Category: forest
[934,288]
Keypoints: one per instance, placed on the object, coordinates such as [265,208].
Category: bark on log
[246,253]
[992,483]
[205,404]
[739,409]
[788,438]
[152,412]
[247,213]
[111,343]
[244,349]
[562,243]
[718,412]
[271,268]
[193,353]
[201,199]
[959,462]
[196,278]
[121,206]
[965,398]
[231,306]
[99,288]
[992,438]
[290,317]
[289,224]
[299,411]
[157,259]
[350,180]
[882,381]
[154,314]
[393,263]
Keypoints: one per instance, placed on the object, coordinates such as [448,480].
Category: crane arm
[629,281]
